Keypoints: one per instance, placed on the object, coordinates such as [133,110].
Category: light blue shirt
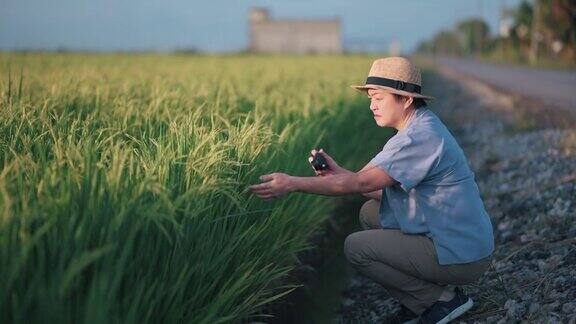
[436,193]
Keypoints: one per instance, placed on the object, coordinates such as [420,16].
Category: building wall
[296,37]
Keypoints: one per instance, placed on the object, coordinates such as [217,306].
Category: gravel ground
[527,179]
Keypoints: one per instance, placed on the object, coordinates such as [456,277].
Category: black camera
[319,162]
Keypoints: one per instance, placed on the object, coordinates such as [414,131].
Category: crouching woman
[425,228]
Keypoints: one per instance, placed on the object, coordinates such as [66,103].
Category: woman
[432,231]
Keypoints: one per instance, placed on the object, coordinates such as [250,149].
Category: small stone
[526,275]
[527,298]
[348,302]
[554,260]
[507,236]
[569,308]
[525,238]
[514,309]
[558,295]
[545,232]
[553,319]
[552,306]
[560,282]
[503,226]
[354,282]
[542,265]
[534,308]
[374,317]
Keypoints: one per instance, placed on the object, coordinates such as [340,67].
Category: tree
[446,42]
[558,26]
[474,35]
[521,36]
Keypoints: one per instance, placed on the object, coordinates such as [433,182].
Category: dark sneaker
[443,312]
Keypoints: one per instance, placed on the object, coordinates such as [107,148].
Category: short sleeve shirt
[436,193]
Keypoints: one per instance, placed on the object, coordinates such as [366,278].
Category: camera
[319,162]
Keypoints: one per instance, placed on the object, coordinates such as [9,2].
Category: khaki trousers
[405,264]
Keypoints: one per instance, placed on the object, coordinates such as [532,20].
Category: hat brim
[364,88]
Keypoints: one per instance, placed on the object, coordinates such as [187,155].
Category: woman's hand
[274,185]
[333,167]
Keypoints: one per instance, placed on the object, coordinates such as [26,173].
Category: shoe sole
[457,312]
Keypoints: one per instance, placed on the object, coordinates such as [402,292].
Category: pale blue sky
[219,25]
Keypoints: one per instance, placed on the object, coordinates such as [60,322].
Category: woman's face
[387,111]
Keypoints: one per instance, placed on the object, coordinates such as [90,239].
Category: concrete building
[293,36]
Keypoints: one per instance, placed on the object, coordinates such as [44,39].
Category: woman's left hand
[274,185]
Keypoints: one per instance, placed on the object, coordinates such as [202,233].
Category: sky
[217,26]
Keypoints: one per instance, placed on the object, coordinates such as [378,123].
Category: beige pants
[405,264]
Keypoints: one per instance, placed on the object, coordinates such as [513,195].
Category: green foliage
[474,34]
[523,14]
[447,42]
[540,32]
[123,181]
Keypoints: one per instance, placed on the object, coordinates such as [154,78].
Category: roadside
[542,91]
[523,157]
[542,63]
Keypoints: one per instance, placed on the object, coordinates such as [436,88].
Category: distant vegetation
[535,32]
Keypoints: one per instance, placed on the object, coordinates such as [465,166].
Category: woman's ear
[408,102]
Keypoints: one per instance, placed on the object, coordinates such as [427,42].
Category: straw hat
[394,74]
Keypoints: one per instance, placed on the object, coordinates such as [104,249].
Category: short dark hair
[418,102]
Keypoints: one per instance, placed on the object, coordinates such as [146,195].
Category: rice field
[123,180]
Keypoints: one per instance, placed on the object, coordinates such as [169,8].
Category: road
[553,87]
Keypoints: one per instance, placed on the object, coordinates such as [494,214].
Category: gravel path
[527,179]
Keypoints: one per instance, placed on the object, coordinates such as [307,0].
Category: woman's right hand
[333,167]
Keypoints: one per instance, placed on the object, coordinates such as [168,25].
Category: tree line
[530,32]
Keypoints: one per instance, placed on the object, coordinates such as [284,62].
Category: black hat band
[395,84]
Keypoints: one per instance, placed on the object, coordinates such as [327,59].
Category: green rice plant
[123,180]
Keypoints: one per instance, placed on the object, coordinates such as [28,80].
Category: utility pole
[502,40]
[478,27]
[535,39]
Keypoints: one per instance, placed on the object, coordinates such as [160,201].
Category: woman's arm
[374,194]
[366,181]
